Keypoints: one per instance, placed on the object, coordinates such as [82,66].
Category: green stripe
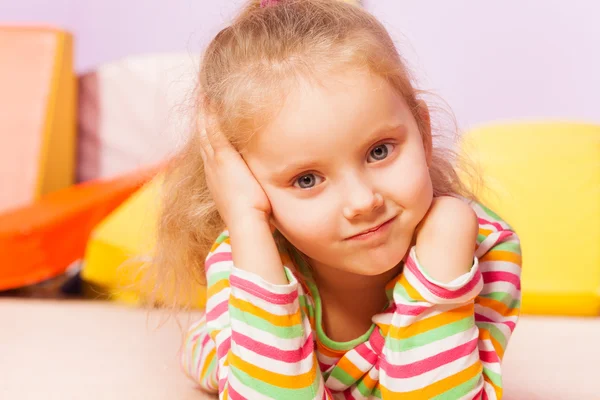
[458,392]
[363,389]
[342,376]
[283,332]
[377,392]
[307,306]
[489,212]
[400,291]
[493,376]
[495,332]
[509,246]
[480,238]
[504,298]
[222,237]
[272,391]
[210,369]
[216,277]
[430,336]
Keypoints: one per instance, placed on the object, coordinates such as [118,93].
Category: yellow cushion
[120,246]
[544,180]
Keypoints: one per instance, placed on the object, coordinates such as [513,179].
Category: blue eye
[379,152]
[307,181]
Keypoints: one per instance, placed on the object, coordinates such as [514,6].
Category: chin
[377,264]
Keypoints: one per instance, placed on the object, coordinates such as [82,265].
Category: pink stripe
[501,276]
[488,356]
[327,394]
[428,364]
[484,395]
[479,394]
[496,225]
[407,309]
[482,318]
[366,353]
[233,395]
[255,290]
[348,394]
[376,341]
[440,291]
[224,348]
[217,310]
[217,257]
[205,339]
[265,350]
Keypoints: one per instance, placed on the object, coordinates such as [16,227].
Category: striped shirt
[434,341]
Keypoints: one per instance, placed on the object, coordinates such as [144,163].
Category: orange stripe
[497,389]
[485,232]
[279,320]
[217,287]
[436,388]
[485,334]
[502,255]
[207,362]
[497,306]
[350,368]
[327,352]
[434,322]
[273,378]
[410,290]
[217,244]
[369,382]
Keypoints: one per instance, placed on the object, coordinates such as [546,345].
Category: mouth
[366,234]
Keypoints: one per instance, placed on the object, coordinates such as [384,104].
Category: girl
[348,262]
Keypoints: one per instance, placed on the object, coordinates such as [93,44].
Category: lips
[370,230]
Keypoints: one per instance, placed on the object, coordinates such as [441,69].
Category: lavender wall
[488,60]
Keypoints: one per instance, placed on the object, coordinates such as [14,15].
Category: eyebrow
[290,170]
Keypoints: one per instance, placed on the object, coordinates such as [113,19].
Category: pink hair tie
[268,3]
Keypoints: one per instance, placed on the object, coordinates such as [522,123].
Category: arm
[261,342]
[448,338]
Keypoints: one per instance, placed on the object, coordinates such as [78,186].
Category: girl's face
[346,170]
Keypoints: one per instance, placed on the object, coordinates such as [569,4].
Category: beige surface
[93,350]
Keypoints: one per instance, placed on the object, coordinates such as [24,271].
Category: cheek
[411,187]
[301,221]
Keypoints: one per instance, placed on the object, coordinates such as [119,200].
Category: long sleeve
[448,340]
[256,342]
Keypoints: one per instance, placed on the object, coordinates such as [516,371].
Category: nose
[361,199]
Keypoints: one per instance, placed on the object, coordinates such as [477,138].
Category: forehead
[334,113]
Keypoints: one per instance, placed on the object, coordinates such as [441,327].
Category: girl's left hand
[446,239]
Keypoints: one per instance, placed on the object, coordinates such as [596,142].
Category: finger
[215,136]
[206,149]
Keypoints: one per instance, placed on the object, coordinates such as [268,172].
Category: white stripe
[268,338]
[494,315]
[327,360]
[500,286]
[271,364]
[334,384]
[245,391]
[489,390]
[421,381]
[358,361]
[276,309]
[427,295]
[401,320]
[216,299]
[493,266]
[433,348]
[222,321]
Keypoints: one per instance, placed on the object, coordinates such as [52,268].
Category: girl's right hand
[243,205]
[236,192]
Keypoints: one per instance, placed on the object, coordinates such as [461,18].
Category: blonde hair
[246,70]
